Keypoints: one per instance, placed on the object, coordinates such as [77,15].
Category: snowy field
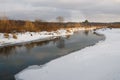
[33,36]
[99,62]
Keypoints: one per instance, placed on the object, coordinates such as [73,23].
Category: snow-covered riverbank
[33,36]
[99,62]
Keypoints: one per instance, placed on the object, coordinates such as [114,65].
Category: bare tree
[60,19]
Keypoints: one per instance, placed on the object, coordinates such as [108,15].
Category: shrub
[29,26]
[6,35]
[14,36]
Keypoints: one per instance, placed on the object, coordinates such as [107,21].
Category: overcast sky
[71,10]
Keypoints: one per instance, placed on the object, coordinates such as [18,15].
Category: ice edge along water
[99,62]
[36,36]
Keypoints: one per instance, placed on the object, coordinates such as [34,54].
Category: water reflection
[61,43]
[13,59]
[7,50]
[86,32]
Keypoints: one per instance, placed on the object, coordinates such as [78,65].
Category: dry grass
[14,36]
[6,35]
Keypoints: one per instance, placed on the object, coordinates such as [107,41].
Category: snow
[99,62]
[31,36]
[34,36]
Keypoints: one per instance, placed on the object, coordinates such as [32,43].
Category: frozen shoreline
[99,62]
[38,36]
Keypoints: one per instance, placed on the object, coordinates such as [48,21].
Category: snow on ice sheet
[99,62]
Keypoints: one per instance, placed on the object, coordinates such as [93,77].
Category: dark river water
[14,59]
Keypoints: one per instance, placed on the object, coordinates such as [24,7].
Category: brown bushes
[6,35]
[14,36]
[4,25]
[29,26]
[12,26]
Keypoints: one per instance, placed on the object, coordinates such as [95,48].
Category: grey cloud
[44,14]
[94,10]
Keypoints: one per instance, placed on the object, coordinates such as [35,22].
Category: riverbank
[22,38]
[99,62]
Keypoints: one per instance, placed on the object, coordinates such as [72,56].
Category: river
[15,58]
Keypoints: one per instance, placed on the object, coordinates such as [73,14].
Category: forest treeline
[11,26]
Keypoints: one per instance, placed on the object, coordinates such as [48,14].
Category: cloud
[72,10]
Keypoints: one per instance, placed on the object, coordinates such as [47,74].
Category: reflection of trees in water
[60,43]
[8,50]
[67,37]
[86,32]
[58,38]
[34,44]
